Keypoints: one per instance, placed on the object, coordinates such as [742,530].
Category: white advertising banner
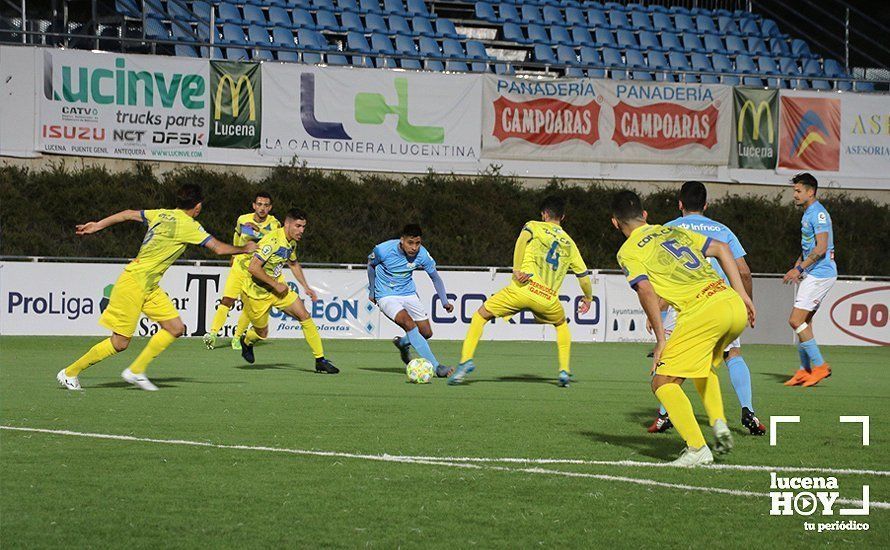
[370,114]
[113,105]
[865,135]
[855,314]
[665,123]
[626,320]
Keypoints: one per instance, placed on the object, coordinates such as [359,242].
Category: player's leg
[423,332]
[552,313]
[810,294]
[232,289]
[501,304]
[241,328]
[257,312]
[159,308]
[669,392]
[297,310]
[662,421]
[740,376]
[394,310]
[68,377]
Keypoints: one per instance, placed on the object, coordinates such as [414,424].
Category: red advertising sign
[545,121]
[665,126]
[809,133]
[864,315]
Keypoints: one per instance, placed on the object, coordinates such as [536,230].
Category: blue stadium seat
[657,60]
[779,47]
[606,38]
[597,19]
[615,6]
[394,7]
[618,20]
[446,28]
[326,20]
[722,64]
[593,62]
[537,34]
[864,86]
[635,61]
[452,48]
[678,10]
[507,13]
[182,32]
[582,37]
[202,9]
[767,65]
[156,30]
[553,16]
[649,41]
[301,19]
[259,36]
[788,66]
[184,50]
[356,42]
[349,5]
[727,25]
[749,27]
[155,10]
[679,62]
[513,33]
[701,62]
[531,14]
[684,23]
[671,42]
[374,22]
[372,6]
[544,54]
[574,16]
[236,54]
[233,34]
[178,12]
[734,44]
[406,46]
[560,35]
[800,49]
[612,59]
[745,66]
[485,12]
[312,40]
[129,8]
[714,44]
[423,26]
[627,39]
[327,5]
[476,50]
[504,69]
[769,28]
[228,13]
[279,18]
[662,23]
[429,47]
[692,43]
[820,84]
[418,7]
[640,20]
[398,25]
[283,38]
[567,56]
[351,22]
[833,69]
[705,24]
[381,43]
[756,46]
[253,15]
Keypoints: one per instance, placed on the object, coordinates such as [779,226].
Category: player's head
[693,197]
[189,198]
[295,224]
[262,204]
[627,211]
[411,238]
[553,209]
[805,187]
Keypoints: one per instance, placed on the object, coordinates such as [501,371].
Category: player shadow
[159,382]
[776,377]
[528,378]
[266,366]
[651,445]
[385,370]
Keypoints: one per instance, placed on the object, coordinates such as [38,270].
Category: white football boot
[68,382]
[690,457]
[139,380]
[723,437]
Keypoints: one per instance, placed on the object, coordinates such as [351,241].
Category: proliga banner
[237,105]
[113,105]
[756,122]
[370,114]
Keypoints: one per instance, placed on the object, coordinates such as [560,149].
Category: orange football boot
[823,371]
[801,376]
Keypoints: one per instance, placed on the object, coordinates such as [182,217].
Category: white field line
[466,463]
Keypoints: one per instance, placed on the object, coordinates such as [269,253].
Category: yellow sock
[313,338]
[243,321]
[680,410]
[564,346]
[709,390]
[158,343]
[251,337]
[219,319]
[471,340]
[102,350]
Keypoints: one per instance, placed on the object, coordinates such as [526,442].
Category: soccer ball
[420,371]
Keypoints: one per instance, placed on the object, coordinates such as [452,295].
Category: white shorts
[392,305]
[670,321]
[812,291]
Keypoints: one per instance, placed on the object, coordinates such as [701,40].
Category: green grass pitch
[232,490]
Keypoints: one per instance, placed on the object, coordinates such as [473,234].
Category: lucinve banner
[334,112]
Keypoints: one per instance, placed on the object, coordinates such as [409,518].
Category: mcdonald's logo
[756,116]
[235,95]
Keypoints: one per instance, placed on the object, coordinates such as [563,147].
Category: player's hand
[87,228]
[656,354]
[648,325]
[793,276]
[752,313]
[312,295]
[449,307]
[521,277]
[584,306]
[279,288]
[253,226]
[250,247]
[373,300]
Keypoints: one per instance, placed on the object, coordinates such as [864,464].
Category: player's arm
[373,262]
[649,300]
[114,219]
[525,236]
[225,249]
[579,268]
[297,270]
[439,285]
[716,249]
[745,274]
[255,268]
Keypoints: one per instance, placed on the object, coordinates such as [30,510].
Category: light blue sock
[740,376]
[804,358]
[421,346]
[813,352]
[662,411]
[404,340]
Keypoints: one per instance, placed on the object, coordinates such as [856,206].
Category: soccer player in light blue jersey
[391,286]
[693,202]
[816,273]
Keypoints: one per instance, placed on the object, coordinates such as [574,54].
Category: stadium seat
[537,34]
[182,32]
[684,23]
[280,18]
[356,42]
[593,62]
[155,10]
[228,13]
[485,12]
[714,44]
[451,48]
[756,46]
[476,50]
[727,25]
[236,54]
[327,5]
[649,41]
[679,62]
[618,20]
[394,7]
[531,14]
[864,86]
[662,22]
[446,28]
[254,16]
[553,16]
[779,47]
[745,66]
[640,20]
[351,22]
[701,62]
[380,43]
[326,20]
[671,42]
[566,55]
[423,26]
[429,47]
[417,7]
[283,38]
[801,49]
[705,24]
[513,33]
[574,16]
[178,12]
[301,19]
[128,8]
[734,44]
[374,22]
[398,25]
[406,46]
[833,69]
[581,37]
[769,28]
[507,13]
[749,27]
[692,43]
[560,35]
[184,50]
[615,6]
[371,6]
[597,19]
[612,59]
[604,37]
[767,65]
[154,29]
[635,60]
[544,54]
[627,39]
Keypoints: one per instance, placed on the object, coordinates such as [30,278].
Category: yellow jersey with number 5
[169,231]
[673,260]
[549,254]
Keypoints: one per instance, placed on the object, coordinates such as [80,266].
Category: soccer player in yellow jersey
[542,256]
[670,262]
[136,290]
[249,227]
[266,289]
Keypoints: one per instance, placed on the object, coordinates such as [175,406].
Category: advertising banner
[865,135]
[370,114]
[858,314]
[545,120]
[113,105]
[809,132]
[237,105]
[756,123]
[664,123]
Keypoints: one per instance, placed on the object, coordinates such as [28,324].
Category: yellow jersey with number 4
[247,229]
[672,259]
[169,231]
[549,254]
[275,250]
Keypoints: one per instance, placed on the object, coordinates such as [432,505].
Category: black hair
[262,195]
[412,230]
[626,206]
[554,206]
[807,179]
[295,214]
[694,196]
[188,196]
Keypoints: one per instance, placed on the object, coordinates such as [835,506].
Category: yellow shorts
[257,309]
[509,301]
[129,299]
[237,278]
[698,340]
